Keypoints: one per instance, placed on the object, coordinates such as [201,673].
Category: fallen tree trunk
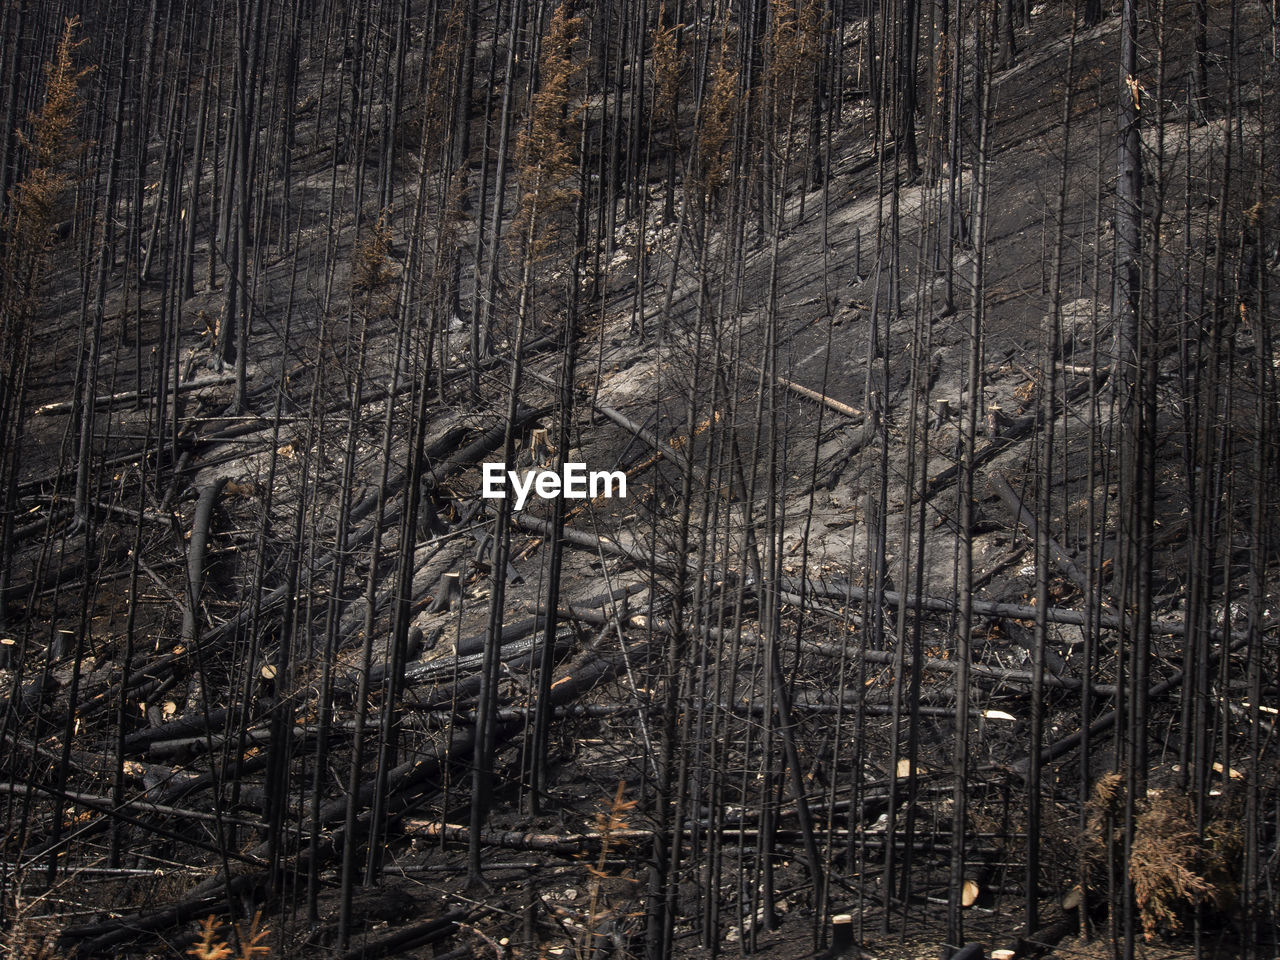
[595,610]
[277,597]
[1061,558]
[566,844]
[403,781]
[374,395]
[190,726]
[1011,433]
[95,939]
[860,438]
[196,552]
[985,608]
[67,406]
[410,937]
[431,562]
[648,436]
[814,395]
[1105,722]
[76,562]
[511,647]
[105,805]
[592,542]
[1003,674]
[403,791]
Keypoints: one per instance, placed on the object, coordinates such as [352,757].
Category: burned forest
[639,479]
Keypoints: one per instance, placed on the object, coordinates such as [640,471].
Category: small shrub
[1173,867]
[372,265]
[211,945]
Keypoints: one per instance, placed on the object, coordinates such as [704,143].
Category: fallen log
[648,436]
[573,711]
[410,937]
[595,610]
[50,481]
[36,851]
[95,939]
[185,746]
[29,696]
[279,595]
[159,669]
[196,552]
[67,406]
[431,563]
[404,784]
[860,438]
[567,843]
[593,542]
[105,805]
[1012,432]
[1066,744]
[195,725]
[1002,674]
[984,608]
[814,395]
[474,643]
[462,712]
[36,527]
[574,844]
[106,699]
[584,677]
[853,700]
[511,648]
[371,396]
[435,475]
[444,450]
[76,563]
[1061,558]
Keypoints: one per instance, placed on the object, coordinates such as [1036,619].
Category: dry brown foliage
[1173,867]
[433,116]
[211,945]
[717,118]
[25,936]
[372,266]
[794,46]
[668,71]
[372,271]
[610,821]
[38,199]
[545,150]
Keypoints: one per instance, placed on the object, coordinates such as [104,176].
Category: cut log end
[448,594]
[841,939]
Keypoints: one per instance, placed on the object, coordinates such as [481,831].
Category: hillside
[931,344]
